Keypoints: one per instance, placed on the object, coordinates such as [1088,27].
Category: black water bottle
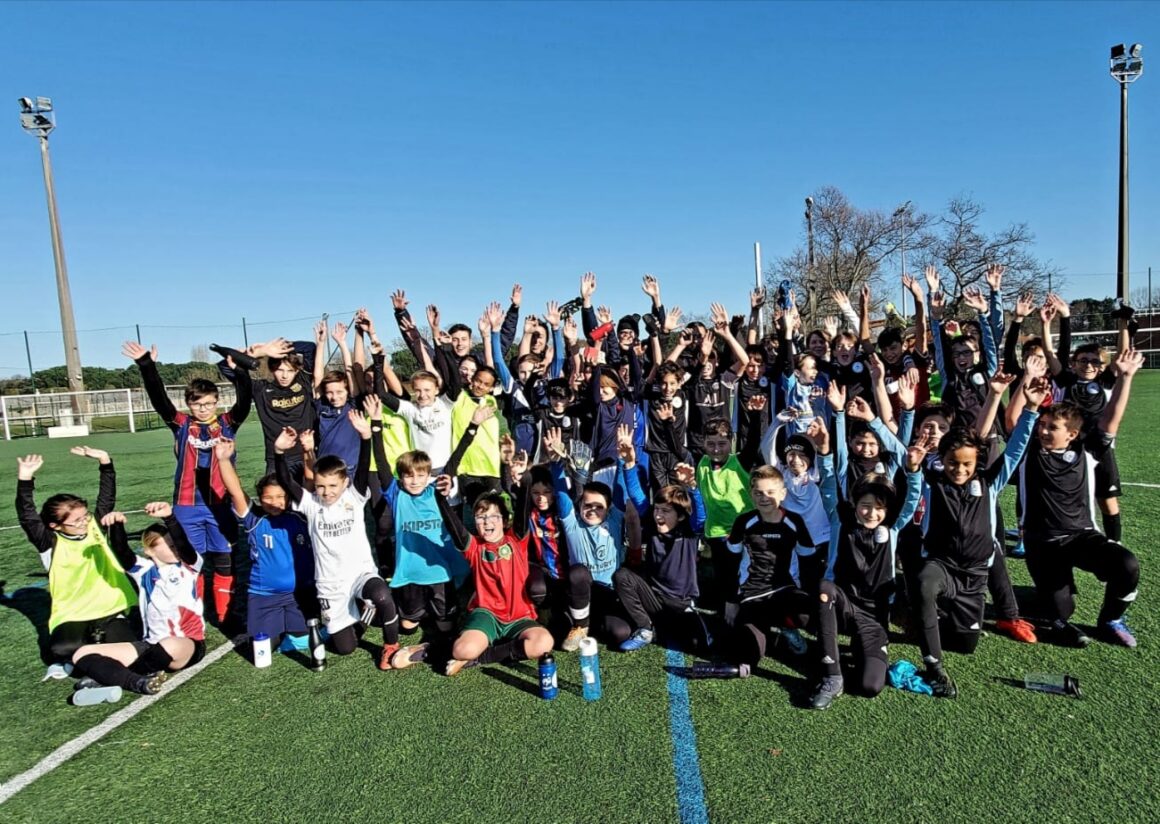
[317,647]
[704,669]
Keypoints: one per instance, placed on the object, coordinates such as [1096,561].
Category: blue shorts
[274,615]
[209,529]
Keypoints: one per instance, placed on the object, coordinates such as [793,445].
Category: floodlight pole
[68,325]
[810,271]
[903,212]
[1122,254]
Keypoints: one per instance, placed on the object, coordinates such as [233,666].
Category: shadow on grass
[34,604]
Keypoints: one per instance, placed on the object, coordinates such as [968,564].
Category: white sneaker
[90,696]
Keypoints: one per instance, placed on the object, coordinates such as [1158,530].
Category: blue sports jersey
[424,552]
[280,552]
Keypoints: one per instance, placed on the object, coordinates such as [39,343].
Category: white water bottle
[590,669]
[261,650]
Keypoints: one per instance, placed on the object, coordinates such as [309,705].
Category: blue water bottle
[590,669]
[549,689]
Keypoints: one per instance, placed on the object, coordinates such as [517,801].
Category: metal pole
[28,354]
[757,283]
[1122,257]
[245,334]
[72,354]
[902,305]
[810,271]
[138,326]
[1149,290]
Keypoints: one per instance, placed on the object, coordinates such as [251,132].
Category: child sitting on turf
[595,548]
[91,597]
[344,570]
[1057,514]
[171,613]
[766,597]
[960,498]
[666,586]
[281,589]
[860,582]
[501,618]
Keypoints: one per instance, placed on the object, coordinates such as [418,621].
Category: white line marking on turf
[72,748]
[1147,486]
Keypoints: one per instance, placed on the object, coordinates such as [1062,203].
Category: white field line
[69,749]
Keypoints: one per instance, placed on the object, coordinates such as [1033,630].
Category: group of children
[724,487]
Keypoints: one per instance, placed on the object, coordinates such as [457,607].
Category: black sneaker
[1069,635]
[941,684]
[827,691]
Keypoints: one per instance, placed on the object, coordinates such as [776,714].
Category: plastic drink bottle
[704,669]
[590,669]
[261,650]
[1056,683]
[549,689]
[317,647]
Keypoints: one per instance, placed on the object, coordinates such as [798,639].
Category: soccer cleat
[1069,635]
[941,684]
[90,696]
[827,691]
[1117,632]
[1018,629]
[387,654]
[1018,550]
[409,656]
[793,639]
[455,666]
[149,684]
[86,682]
[638,640]
[572,641]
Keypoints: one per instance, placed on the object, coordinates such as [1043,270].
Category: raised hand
[651,287]
[224,450]
[399,300]
[373,406]
[27,466]
[858,410]
[320,333]
[158,509]
[663,410]
[995,276]
[433,316]
[914,287]
[603,315]
[276,348]
[1129,362]
[830,327]
[1035,366]
[933,284]
[865,293]
[339,333]
[755,403]
[907,385]
[518,464]
[113,518]
[571,330]
[483,412]
[707,342]
[836,396]
[517,294]
[624,445]
[484,325]
[973,297]
[916,454]
[685,475]
[444,484]
[531,325]
[360,424]
[1000,381]
[306,440]
[587,285]
[819,435]
[877,370]
[1062,308]
[553,443]
[938,303]
[672,320]
[552,314]
[495,319]
[1047,313]
[507,448]
[1035,390]
[135,351]
[757,298]
[842,300]
[719,317]
[286,439]
[1024,305]
[99,455]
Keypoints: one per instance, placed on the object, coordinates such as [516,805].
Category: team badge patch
[505,552]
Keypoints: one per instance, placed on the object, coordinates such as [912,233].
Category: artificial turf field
[353,743]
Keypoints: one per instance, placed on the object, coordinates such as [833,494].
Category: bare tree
[962,251]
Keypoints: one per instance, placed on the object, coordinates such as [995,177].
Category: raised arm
[146,360]
[455,528]
[1127,365]
[223,451]
[39,535]
[483,412]
[114,524]
[286,439]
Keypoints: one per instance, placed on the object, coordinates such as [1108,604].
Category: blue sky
[276,161]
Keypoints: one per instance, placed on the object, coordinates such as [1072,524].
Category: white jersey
[342,551]
[803,496]
[430,429]
[171,605]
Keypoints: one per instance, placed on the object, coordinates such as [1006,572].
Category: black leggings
[434,601]
[643,604]
[867,622]
[961,596]
[1052,565]
[345,641]
[70,636]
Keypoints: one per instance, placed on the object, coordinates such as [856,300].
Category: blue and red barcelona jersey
[197,480]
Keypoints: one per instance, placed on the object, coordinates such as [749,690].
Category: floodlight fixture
[1125,64]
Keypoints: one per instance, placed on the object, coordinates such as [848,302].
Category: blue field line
[686,762]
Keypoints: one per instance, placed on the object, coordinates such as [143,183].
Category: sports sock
[107,670]
[1112,527]
[223,592]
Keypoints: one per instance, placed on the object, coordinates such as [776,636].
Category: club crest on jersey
[505,552]
[858,368]
[676,402]
[300,539]
[1069,456]
[881,535]
[975,488]
[977,379]
[763,381]
[1092,389]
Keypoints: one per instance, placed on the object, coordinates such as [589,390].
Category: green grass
[286,744]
